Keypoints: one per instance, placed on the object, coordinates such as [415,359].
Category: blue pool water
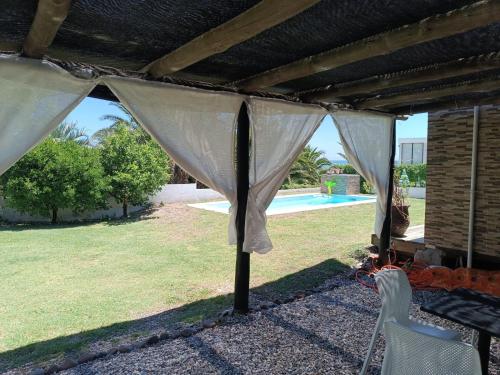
[296,203]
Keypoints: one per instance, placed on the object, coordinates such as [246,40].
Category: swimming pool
[296,203]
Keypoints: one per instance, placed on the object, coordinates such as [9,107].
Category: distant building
[412,150]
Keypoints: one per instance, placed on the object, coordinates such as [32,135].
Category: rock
[68,363]
[100,354]
[225,313]
[300,295]
[152,340]
[316,290]
[188,331]
[52,369]
[86,357]
[112,351]
[140,344]
[124,348]
[267,305]
[37,371]
[208,323]
[174,334]
[164,336]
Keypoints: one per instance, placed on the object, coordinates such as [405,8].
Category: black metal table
[471,309]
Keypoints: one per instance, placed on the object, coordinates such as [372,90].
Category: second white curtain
[279,132]
[367,141]
[195,127]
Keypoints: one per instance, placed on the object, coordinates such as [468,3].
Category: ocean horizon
[338,161]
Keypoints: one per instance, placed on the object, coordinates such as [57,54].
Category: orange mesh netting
[424,277]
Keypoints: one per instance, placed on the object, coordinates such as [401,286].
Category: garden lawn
[64,287]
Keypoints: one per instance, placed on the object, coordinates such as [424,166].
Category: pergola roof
[419,62]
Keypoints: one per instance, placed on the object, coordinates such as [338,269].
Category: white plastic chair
[414,353]
[395,293]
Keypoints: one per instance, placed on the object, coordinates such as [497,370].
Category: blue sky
[88,116]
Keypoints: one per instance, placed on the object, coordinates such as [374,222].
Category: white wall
[183,193]
[115,211]
[416,192]
[169,194]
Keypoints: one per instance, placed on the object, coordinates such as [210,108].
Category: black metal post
[242,277]
[385,236]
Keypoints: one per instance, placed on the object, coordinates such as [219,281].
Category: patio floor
[324,333]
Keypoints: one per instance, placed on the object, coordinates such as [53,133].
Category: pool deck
[292,209]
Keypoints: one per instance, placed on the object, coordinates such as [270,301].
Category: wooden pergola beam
[50,14]
[431,73]
[440,26]
[264,15]
[399,100]
[447,104]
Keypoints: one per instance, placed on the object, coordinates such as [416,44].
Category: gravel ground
[325,333]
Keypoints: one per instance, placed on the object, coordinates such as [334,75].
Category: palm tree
[70,131]
[309,167]
[128,120]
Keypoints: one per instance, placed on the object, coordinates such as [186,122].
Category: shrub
[56,174]
[417,173]
[136,165]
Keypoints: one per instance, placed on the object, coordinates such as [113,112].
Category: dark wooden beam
[455,68]
[440,26]
[264,15]
[49,16]
[431,94]
[446,104]
[242,277]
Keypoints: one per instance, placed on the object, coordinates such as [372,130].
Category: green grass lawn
[64,287]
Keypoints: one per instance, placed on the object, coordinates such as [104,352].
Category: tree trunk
[54,215]
[125,208]
[179,176]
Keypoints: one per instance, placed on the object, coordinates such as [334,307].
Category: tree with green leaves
[136,165]
[308,167]
[56,174]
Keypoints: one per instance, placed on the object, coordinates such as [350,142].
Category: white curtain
[367,141]
[195,127]
[35,96]
[279,132]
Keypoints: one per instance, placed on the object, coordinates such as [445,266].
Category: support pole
[472,197]
[385,236]
[242,278]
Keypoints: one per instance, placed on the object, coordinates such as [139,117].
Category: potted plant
[400,209]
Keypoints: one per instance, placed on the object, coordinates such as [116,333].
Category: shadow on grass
[71,344]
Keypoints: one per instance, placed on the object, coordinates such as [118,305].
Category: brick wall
[448,180]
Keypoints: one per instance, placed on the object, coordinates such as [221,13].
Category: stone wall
[448,180]
[347,184]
